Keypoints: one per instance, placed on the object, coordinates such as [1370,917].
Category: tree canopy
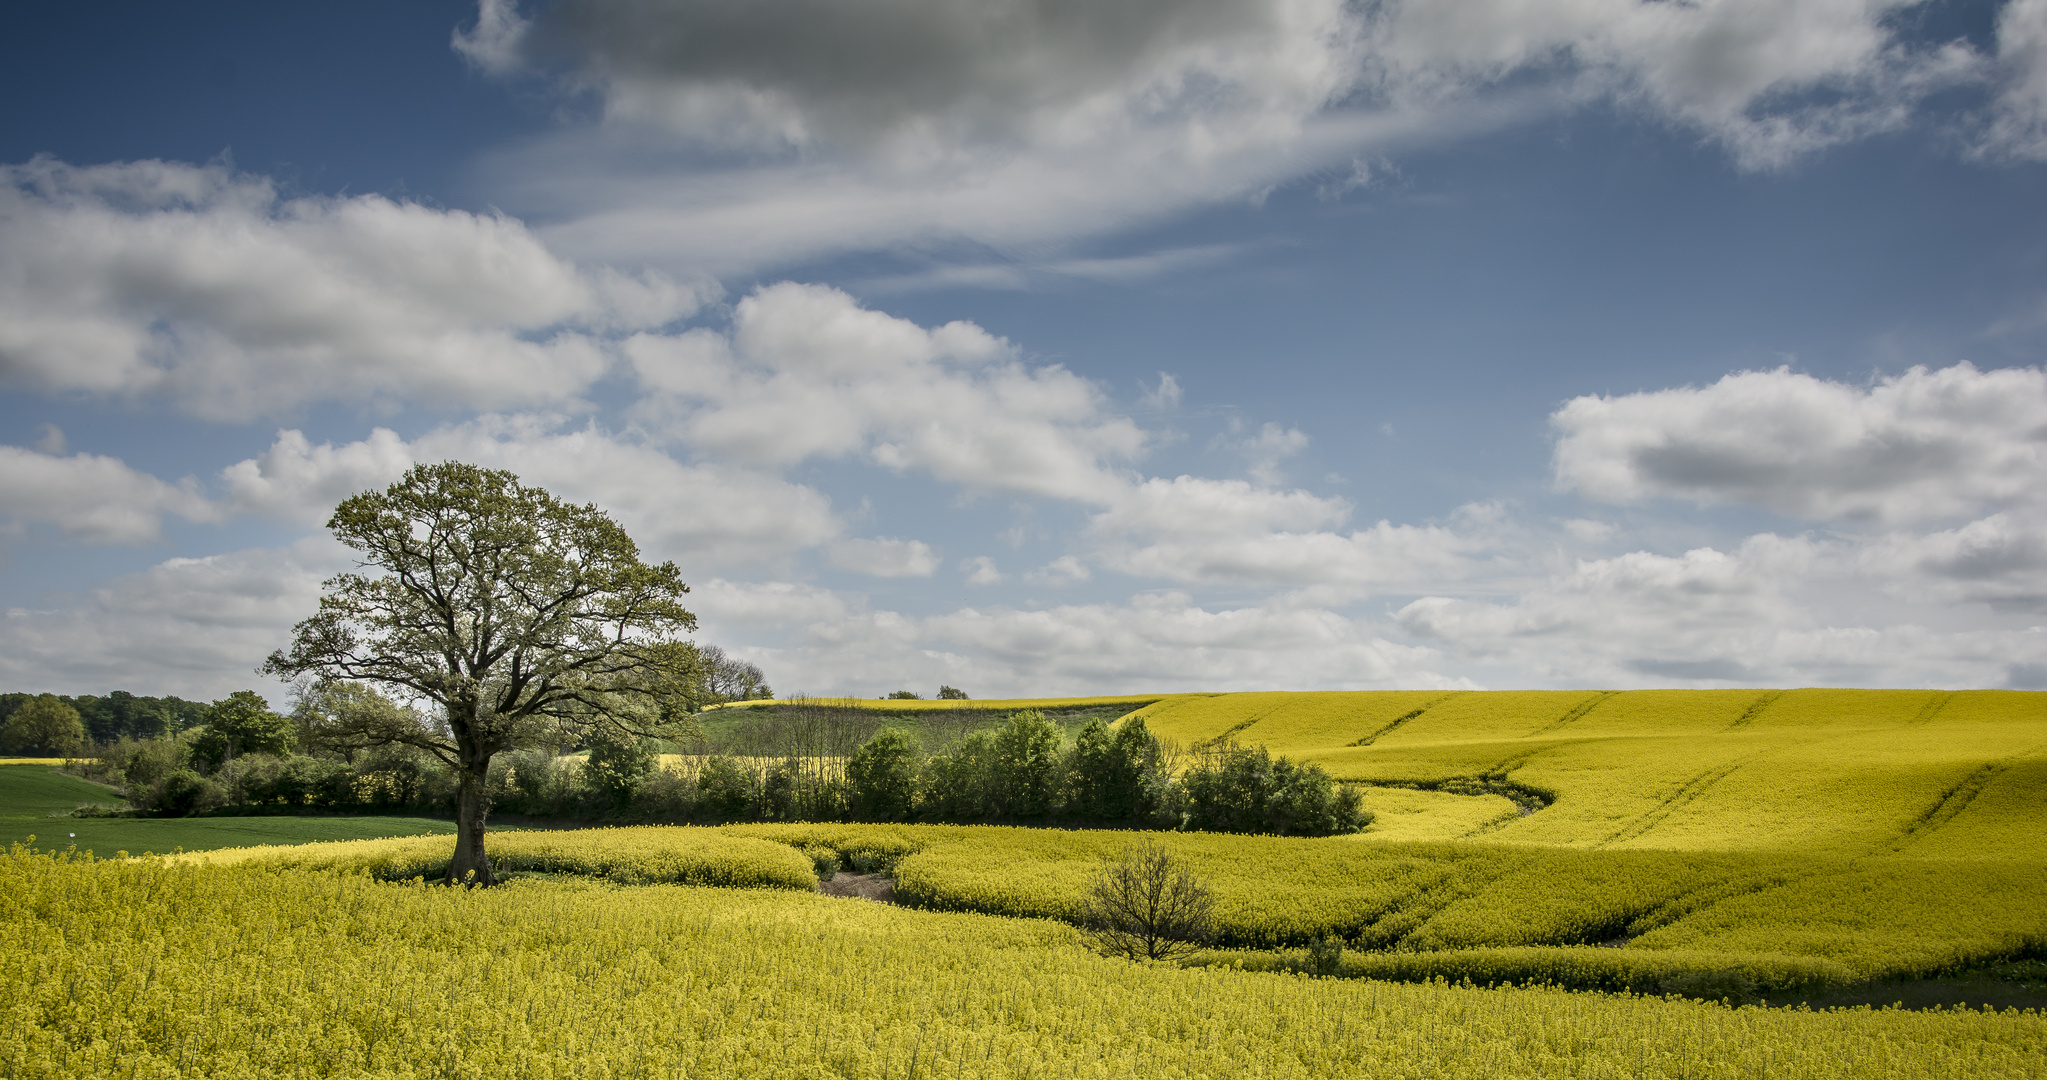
[498,617]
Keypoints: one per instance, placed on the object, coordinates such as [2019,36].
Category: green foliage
[947,693]
[43,726]
[903,695]
[1246,789]
[953,786]
[1023,772]
[616,768]
[182,792]
[727,791]
[881,779]
[520,619]
[241,723]
[1118,777]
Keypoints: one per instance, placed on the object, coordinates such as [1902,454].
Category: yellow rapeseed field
[1939,774]
[155,969]
[644,855]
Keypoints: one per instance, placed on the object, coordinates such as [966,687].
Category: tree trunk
[471,866]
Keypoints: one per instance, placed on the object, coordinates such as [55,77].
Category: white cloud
[885,557]
[92,498]
[695,513]
[1264,451]
[1165,397]
[1193,529]
[805,372]
[1773,611]
[1917,446]
[1153,642]
[1064,570]
[192,627]
[1011,123]
[981,570]
[2018,125]
[209,288]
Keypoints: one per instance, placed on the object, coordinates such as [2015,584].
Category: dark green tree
[242,723]
[881,779]
[1118,776]
[1024,775]
[1246,789]
[617,767]
[43,726]
[501,617]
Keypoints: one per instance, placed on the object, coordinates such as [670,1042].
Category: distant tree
[881,779]
[947,693]
[1023,777]
[953,785]
[902,695]
[242,723]
[1246,789]
[516,618]
[728,678]
[616,768]
[43,726]
[1147,905]
[1117,776]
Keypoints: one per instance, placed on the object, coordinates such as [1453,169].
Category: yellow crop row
[151,969]
[643,855]
[1932,773]
[1857,919]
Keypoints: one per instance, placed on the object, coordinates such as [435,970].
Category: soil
[874,887]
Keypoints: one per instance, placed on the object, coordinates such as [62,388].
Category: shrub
[1148,906]
[1245,789]
[181,793]
[616,768]
[881,779]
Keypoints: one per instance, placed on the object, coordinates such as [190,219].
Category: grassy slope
[31,794]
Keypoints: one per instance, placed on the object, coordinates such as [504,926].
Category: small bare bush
[1148,906]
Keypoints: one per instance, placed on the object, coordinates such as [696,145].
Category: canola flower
[153,968]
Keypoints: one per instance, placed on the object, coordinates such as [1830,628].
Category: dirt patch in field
[874,887]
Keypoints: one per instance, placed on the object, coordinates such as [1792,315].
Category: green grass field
[34,798]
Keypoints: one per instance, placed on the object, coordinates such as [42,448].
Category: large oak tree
[498,617]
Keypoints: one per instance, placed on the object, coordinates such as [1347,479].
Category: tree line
[58,725]
[796,761]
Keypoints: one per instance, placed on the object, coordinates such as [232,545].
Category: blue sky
[1047,348]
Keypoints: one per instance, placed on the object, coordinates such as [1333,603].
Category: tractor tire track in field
[1763,701]
[1577,712]
[1690,790]
[1952,802]
[1933,708]
[1404,718]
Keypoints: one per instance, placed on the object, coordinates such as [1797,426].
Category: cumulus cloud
[192,627]
[211,289]
[805,372]
[92,498]
[1917,446]
[696,513]
[1772,611]
[981,570]
[885,557]
[1193,529]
